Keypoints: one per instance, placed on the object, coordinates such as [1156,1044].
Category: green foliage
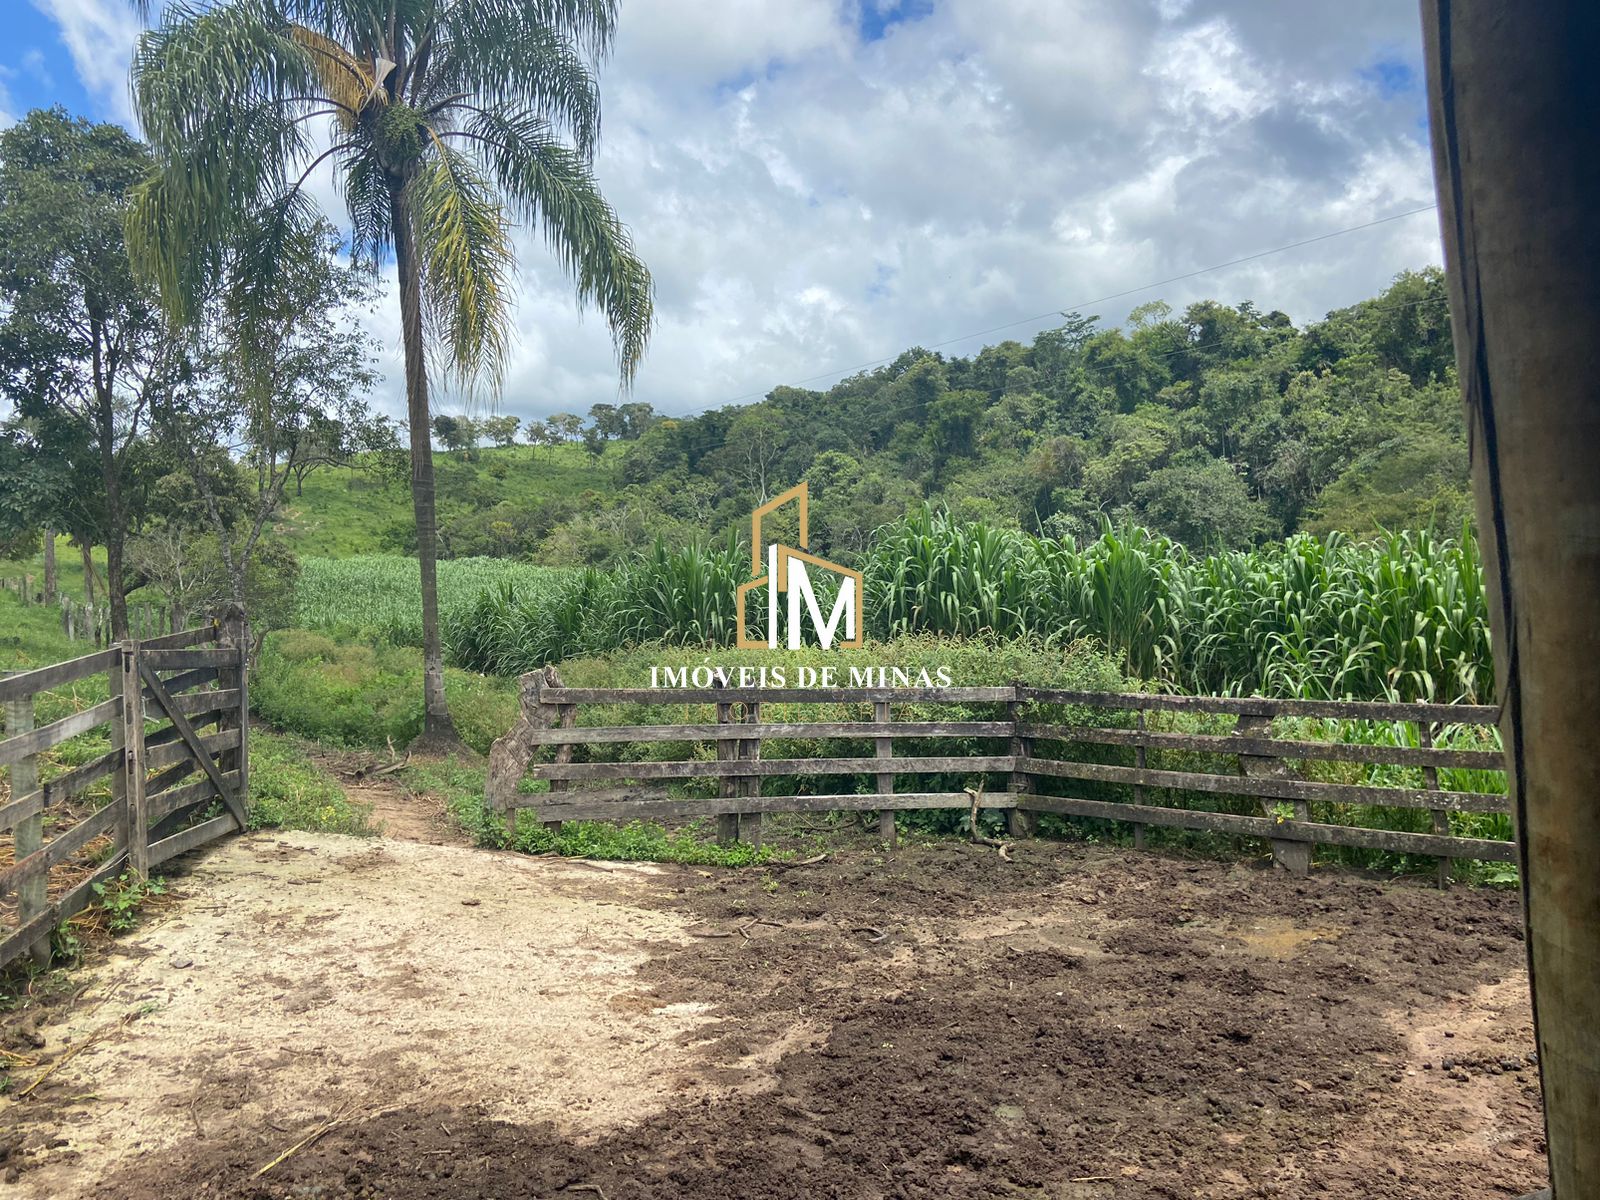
[378,597]
[122,897]
[288,790]
[354,694]
[461,786]
[1404,617]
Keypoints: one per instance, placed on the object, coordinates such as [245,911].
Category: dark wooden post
[32,894]
[1441,817]
[138,816]
[49,566]
[566,718]
[1512,93]
[888,832]
[1138,788]
[233,633]
[727,751]
[1294,857]
[750,749]
[1019,822]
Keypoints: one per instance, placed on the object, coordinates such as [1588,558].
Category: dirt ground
[1082,1022]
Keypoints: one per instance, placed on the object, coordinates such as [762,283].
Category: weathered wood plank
[136,825]
[229,795]
[28,835]
[597,734]
[192,837]
[45,736]
[58,849]
[834,695]
[181,640]
[178,750]
[60,909]
[1359,710]
[656,805]
[772,766]
[187,660]
[1225,743]
[28,683]
[185,682]
[173,799]
[1276,789]
[1266,827]
[883,718]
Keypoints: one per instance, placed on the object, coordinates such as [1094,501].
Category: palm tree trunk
[438,730]
[1511,94]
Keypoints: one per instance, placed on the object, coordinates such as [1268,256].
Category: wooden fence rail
[1045,743]
[162,692]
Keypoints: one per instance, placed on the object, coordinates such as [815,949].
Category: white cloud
[100,35]
[810,201]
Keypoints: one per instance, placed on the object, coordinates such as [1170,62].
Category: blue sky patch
[35,68]
[877,17]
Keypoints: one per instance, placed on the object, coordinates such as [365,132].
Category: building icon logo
[785,570]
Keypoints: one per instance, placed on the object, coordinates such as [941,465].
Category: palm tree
[445,120]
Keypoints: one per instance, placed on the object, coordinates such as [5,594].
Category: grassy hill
[346,511]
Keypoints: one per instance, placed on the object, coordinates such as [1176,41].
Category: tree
[83,347]
[445,123]
[282,373]
[502,430]
[459,435]
[568,427]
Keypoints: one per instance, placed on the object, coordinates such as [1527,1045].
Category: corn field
[379,596]
[1402,618]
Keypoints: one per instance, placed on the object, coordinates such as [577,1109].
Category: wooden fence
[89,622]
[165,774]
[1047,743]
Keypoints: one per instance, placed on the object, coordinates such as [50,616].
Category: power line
[1055,312]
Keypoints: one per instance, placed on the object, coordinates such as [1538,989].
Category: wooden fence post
[32,895]
[138,816]
[750,750]
[1140,762]
[1019,822]
[1441,817]
[888,832]
[1294,857]
[566,718]
[727,751]
[233,633]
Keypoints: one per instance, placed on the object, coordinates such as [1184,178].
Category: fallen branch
[804,862]
[321,1131]
[879,934]
[74,1052]
[317,1133]
[979,839]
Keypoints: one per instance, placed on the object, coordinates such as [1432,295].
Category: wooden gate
[176,711]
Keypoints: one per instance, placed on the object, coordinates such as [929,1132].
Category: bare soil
[1081,1022]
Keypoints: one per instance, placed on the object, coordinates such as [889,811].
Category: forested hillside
[1219,426]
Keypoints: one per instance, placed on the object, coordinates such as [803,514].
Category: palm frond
[468,263]
[487,56]
[547,182]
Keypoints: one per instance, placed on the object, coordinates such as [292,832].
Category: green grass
[345,511]
[289,790]
[461,785]
[358,694]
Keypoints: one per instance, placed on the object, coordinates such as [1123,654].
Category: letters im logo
[785,571]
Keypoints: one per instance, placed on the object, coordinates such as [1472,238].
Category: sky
[818,185]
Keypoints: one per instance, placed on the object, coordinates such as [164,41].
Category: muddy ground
[1081,1022]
